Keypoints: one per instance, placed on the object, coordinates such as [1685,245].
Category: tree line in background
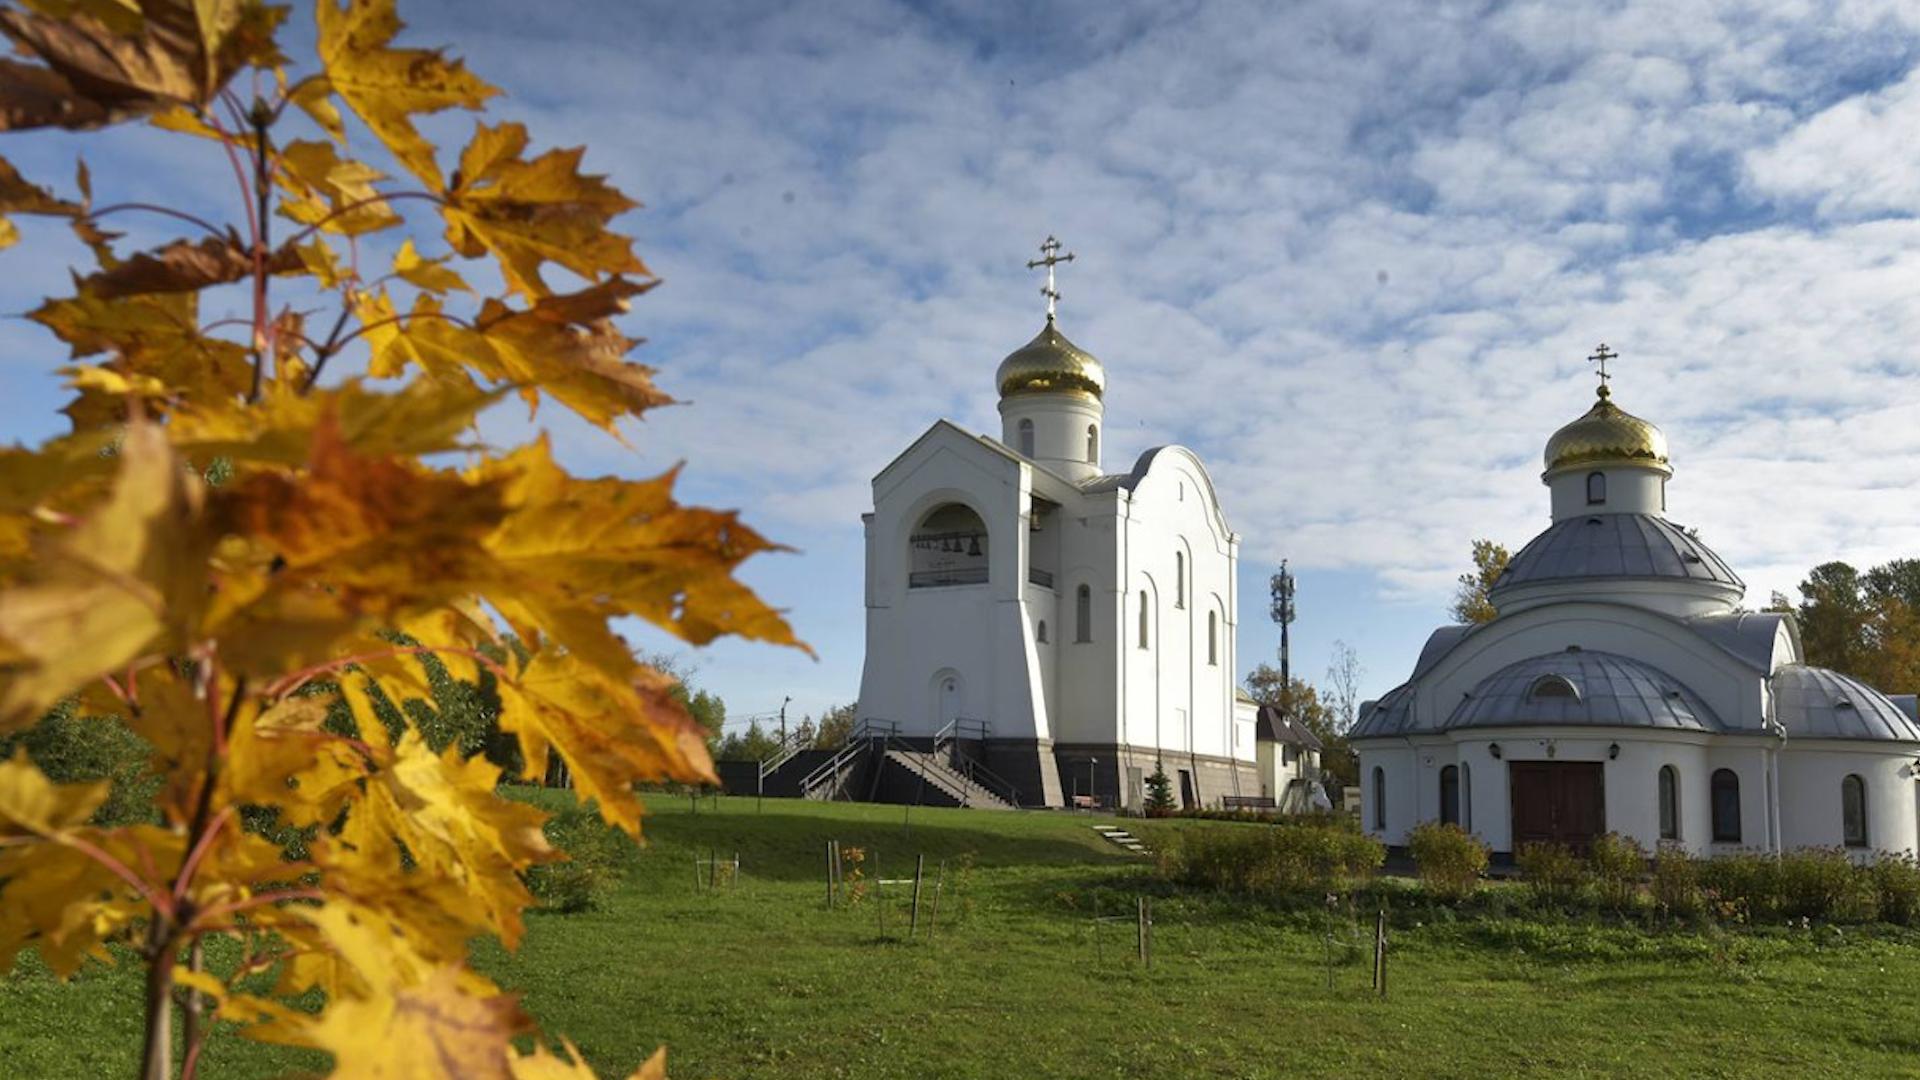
[1860,623]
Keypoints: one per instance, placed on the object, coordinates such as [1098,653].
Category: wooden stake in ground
[939,882]
[1140,926]
[1146,920]
[879,896]
[1380,953]
[913,920]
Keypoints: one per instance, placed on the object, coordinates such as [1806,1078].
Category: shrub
[1823,883]
[1450,859]
[1284,858]
[592,867]
[1896,885]
[1553,874]
[1676,882]
[1618,865]
[71,749]
[1742,887]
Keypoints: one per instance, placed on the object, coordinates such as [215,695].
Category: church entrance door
[1557,802]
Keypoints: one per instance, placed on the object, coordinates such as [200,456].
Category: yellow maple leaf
[429,274]
[532,212]
[30,802]
[385,86]
[331,191]
[129,579]
[421,418]
[106,62]
[612,735]
[543,1064]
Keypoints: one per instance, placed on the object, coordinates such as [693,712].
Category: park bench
[1247,802]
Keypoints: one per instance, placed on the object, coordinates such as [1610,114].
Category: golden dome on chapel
[1050,364]
[1607,435]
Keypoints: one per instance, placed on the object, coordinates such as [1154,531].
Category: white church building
[1622,688]
[1073,627]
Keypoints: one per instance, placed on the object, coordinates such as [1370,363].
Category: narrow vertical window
[1093,444]
[1083,614]
[1726,807]
[1669,803]
[1143,618]
[1466,796]
[1853,811]
[1449,795]
[1596,488]
[1026,438]
[1179,579]
[1379,798]
[1213,638]
[1040,632]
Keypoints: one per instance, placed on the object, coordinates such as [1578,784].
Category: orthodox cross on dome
[1600,356]
[1050,255]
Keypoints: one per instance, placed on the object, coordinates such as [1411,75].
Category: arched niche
[948,547]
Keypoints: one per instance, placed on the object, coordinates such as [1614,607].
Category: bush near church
[1449,858]
[1306,858]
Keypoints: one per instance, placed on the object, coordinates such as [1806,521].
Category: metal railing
[863,739]
[964,765]
[963,575]
[789,748]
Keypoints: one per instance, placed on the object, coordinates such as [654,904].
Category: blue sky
[1353,254]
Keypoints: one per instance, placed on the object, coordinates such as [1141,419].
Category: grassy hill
[1019,980]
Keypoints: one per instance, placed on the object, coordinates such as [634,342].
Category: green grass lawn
[1017,980]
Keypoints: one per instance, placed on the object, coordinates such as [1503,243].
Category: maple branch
[152,208]
[445,316]
[262,192]
[348,208]
[192,1032]
[199,852]
[239,173]
[200,926]
[161,905]
[324,353]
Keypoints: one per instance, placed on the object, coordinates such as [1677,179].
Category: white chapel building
[1073,626]
[1622,688]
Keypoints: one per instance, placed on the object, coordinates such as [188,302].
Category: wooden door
[1557,802]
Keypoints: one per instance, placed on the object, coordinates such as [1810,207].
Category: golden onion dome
[1050,364]
[1607,435]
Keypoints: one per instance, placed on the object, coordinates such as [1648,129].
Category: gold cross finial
[1050,255]
[1600,356]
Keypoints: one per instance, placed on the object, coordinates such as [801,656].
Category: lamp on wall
[1613,752]
[1494,749]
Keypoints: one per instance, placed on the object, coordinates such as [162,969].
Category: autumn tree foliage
[1470,603]
[239,537]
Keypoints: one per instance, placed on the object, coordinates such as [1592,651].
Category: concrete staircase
[1123,838]
[933,781]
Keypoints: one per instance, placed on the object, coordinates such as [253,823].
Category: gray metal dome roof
[1608,691]
[1814,703]
[1614,545]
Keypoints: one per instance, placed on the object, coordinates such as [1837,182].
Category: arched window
[1026,437]
[1466,796]
[1449,795]
[1040,632]
[1853,811]
[1596,488]
[1083,614]
[1213,638]
[1552,686]
[1179,579]
[1143,618]
[1093,444]
[1726,807]
[948,547]
[1379,798]
[1670,803]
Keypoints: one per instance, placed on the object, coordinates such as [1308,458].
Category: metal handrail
[867,732]
[994,782]
[786,751]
